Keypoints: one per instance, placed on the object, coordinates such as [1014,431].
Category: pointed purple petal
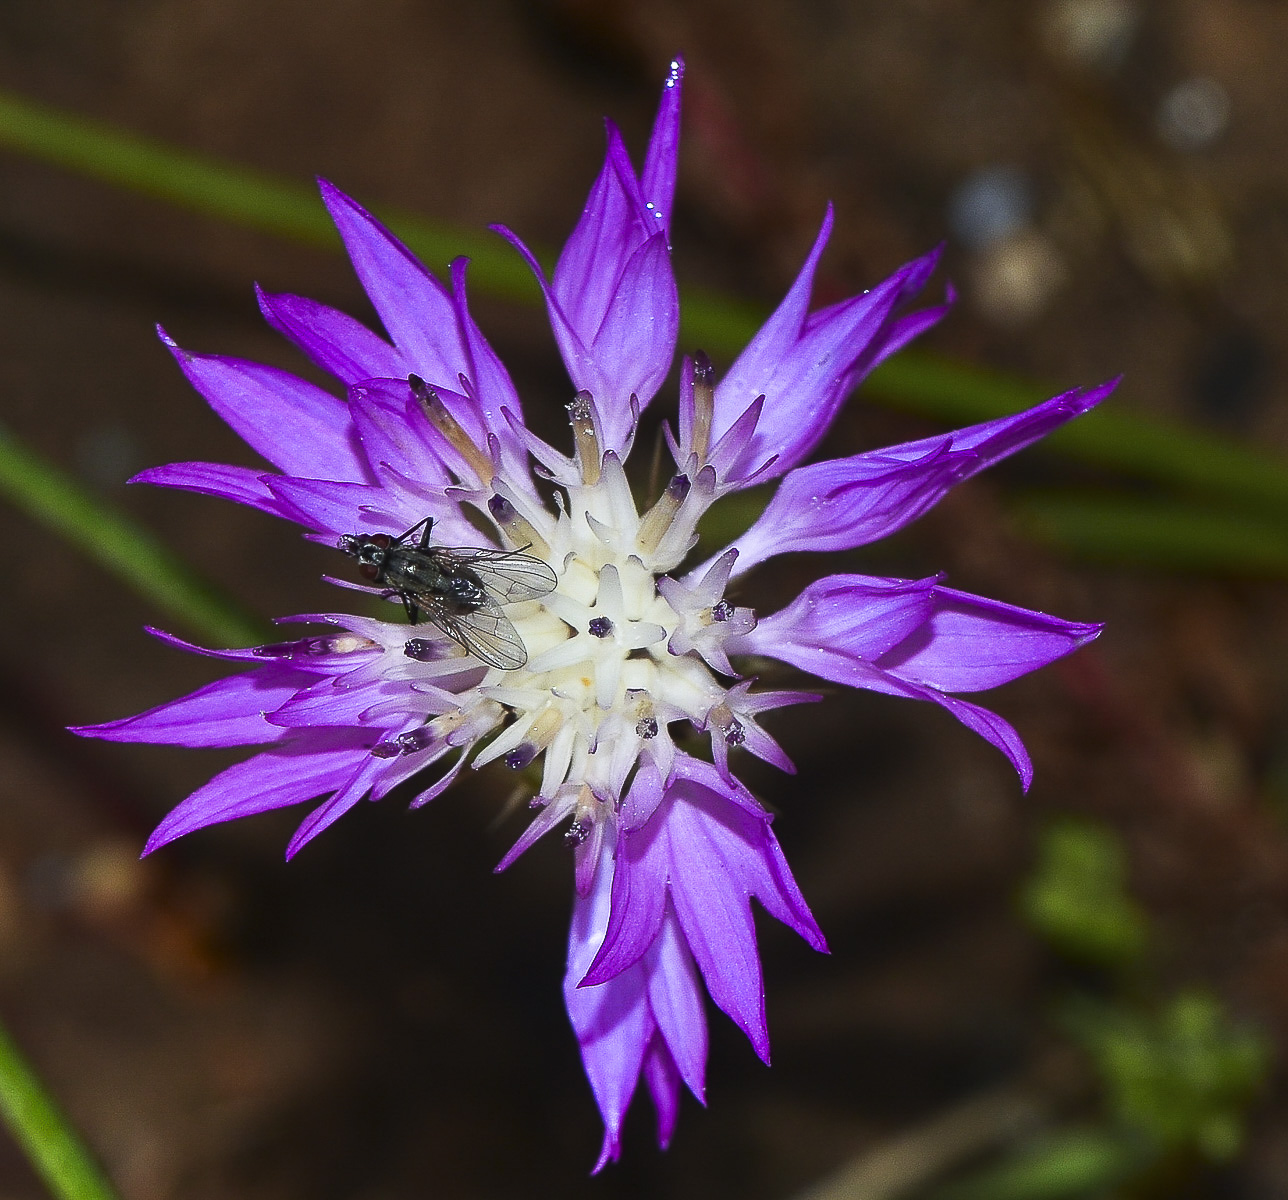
[806,366]
[657,184]
[840,617]
[971,643]
[995,440]
[612,1021]
[245,485]
[635,343]
[329,812]
[493,391]
[332,339]
[413,305]
[638,902]
[992,728]
[663,1079]
[334,509]
[294,425]
[675,999]
[393,431]
[847,502]
[289,774]
[228,712]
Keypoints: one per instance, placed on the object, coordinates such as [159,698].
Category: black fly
[460,590]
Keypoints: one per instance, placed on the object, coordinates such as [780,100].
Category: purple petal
[663,1079]
[615,223]
[288,774]
[295,425]
[806,365]
[334,508]
[639,902]
[349,793]
[393,431]
[245,485]
[328,701]
[847,502]
[612,1021]
[992,728]
[633,346]
[721,857]
[492,390]
[228,712]
[842,664]
[657,184]
[436,337]
[970,643]
[710,855]
[675,999]
[994,440]
[413,305]
[332,339]
[838,619]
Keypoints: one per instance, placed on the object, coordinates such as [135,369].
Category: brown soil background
[381,1019]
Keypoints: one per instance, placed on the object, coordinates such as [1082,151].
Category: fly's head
[369,549]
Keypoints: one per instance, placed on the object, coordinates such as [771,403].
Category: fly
[459,589]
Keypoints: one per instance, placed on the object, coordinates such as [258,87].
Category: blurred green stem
[129,552]
[40,1128]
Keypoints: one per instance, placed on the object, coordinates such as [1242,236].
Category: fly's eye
[369,570]
[380,539]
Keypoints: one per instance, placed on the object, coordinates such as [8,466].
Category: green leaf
[1181,1077]
[1077,898]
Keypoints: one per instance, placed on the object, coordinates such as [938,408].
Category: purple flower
[577,638]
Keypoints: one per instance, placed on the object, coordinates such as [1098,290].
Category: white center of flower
[616,652]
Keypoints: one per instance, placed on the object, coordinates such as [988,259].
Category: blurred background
[1079,992]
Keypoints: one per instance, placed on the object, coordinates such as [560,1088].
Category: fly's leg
[409,605]
[425,526]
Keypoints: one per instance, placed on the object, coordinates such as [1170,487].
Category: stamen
[345,643]
[589,454]
[537,737]
[658,519]
[583,821]
[516,527]
[600,627]
[646,728]
[722,611]
[446,424]
[426,650]
[704,403]
[520,756]
[414,740]
[731,729]
[385,750]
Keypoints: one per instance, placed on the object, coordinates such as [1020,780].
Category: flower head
[575,636]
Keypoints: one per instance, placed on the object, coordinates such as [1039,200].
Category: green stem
[44,1133]
[122,547]
[239,195]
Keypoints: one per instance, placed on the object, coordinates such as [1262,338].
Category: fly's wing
[484,631]
[507,574]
